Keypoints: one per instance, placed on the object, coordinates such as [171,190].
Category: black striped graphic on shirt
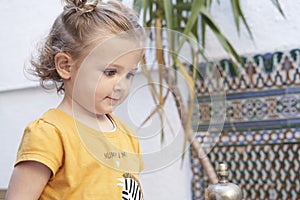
[131,188]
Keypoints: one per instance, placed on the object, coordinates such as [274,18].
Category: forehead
[115,50]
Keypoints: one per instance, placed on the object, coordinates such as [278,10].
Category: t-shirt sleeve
[41,142]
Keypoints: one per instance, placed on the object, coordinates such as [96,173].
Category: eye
[130,75]
[110,72]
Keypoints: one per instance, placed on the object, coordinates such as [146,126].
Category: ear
[63,65]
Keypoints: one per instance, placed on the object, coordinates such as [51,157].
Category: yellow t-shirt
[85,163]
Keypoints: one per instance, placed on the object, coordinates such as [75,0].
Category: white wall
[23,23]
[271,31]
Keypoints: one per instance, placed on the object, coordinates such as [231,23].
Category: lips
[113,100]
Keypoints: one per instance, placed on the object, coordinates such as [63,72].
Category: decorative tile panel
[260,139]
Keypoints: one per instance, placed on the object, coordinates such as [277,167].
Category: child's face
[104,78]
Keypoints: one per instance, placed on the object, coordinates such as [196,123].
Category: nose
[122,83]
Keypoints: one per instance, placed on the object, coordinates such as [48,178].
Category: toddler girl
[80,150]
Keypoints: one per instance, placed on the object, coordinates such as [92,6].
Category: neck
[98,122]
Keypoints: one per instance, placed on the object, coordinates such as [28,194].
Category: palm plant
[187,17]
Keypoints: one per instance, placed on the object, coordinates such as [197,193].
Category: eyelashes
[130,75]
[113,72]
[109,72]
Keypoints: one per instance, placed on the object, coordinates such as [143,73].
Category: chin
[104,111]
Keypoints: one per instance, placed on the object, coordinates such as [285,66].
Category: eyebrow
[120,66]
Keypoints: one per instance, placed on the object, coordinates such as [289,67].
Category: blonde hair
[74,31]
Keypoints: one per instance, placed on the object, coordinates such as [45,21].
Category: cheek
[127,90]
[85,95]
[103,86]
[126,93]
[85,89]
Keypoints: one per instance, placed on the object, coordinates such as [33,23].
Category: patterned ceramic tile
[260,139]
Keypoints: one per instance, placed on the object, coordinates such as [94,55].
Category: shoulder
[41,129]
[52,119]
[57,118]
[51,124]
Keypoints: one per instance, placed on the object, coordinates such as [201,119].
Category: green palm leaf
[237,12]
[222,39]
[278,6]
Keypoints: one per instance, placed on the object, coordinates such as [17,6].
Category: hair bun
[83,6]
